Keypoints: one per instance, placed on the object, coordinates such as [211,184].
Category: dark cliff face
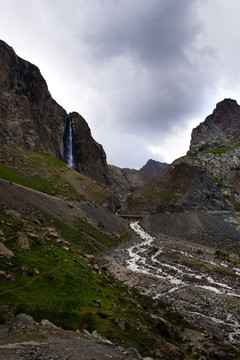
[153,168]
[125,181]
[219,129]
[30,119]
[180,187]
[89,156]
[215,147]
[210,173]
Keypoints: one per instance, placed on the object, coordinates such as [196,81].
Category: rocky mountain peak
[219,129]
[153,168]
[208,178]
[215,147]
[227,114]
[20,76]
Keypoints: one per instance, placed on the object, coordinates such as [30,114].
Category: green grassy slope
[43,172]
[62,276]
[60,279]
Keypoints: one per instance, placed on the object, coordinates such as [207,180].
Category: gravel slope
[26,342]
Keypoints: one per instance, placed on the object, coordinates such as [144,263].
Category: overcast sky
[142,73]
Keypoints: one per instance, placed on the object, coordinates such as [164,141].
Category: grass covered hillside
[50,271]
[52,241]
[54,235]
[43,172]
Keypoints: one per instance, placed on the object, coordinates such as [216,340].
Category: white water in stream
[145,258]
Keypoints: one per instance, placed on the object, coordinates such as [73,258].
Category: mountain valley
[146,263]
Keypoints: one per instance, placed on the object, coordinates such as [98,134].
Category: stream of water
[148,259]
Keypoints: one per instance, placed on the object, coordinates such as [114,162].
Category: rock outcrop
[215,147]
[125,181]
[182,186]
[220,130]
[23,242]
[208,178]
[23,319]
[153,168]
[5,252]
[30,119]
[89,156]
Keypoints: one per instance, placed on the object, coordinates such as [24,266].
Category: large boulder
[5,252]
[22,319]
[23,242]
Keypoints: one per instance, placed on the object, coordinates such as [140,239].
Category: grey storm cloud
[151,31]
[154,37]
[141,72]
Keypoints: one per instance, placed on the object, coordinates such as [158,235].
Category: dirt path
[26,285]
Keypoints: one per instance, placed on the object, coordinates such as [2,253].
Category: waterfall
[70,160]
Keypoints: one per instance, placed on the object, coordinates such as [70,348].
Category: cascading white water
[149,257]
[70,160]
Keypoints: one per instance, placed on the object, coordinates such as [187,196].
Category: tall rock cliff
[89,156]
[220,130]
[215,147]
[30,119]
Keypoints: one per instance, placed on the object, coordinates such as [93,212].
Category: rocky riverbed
[200,282]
